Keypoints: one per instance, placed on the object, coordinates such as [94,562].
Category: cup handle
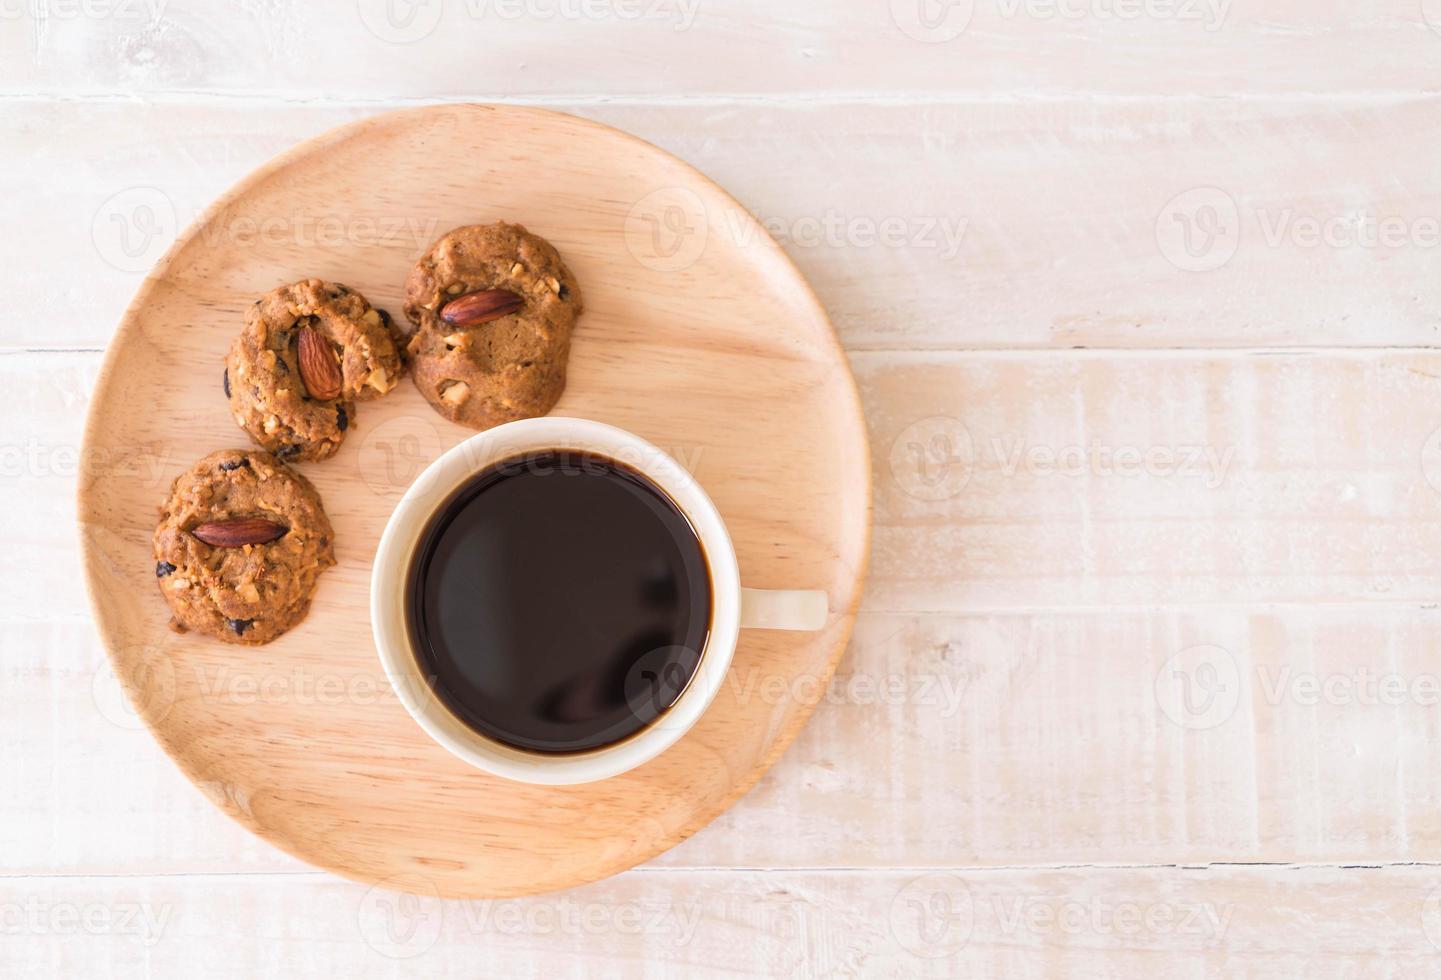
[783,609]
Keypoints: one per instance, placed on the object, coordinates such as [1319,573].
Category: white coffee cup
[732,607]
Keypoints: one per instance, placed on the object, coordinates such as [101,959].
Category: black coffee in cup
[558,602]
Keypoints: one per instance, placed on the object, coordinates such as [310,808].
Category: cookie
[308,353]
[494,307]
[240,545]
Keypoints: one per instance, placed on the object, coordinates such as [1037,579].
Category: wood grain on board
[678,49]
[1027,924]
[1130,479]
[1054,225]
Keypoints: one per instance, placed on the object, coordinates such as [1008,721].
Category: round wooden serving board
[699,335]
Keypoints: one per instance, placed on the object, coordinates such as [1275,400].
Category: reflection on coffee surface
[558,602]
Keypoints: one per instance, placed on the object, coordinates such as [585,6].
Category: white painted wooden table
[1143,298]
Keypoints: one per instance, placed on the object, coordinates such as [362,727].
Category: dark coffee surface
[559,602]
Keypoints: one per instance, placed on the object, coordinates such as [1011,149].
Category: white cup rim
[388,585]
